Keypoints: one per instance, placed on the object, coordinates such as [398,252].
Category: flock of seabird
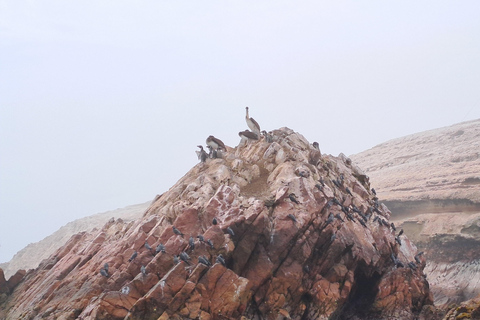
[216,147]
[183,256]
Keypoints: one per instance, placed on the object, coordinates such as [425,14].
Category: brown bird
[252,124]
[215,143]
[245,135]
[315,154]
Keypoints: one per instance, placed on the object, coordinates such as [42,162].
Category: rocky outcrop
[466,310]
[431,183]
[264,232]
[30,256]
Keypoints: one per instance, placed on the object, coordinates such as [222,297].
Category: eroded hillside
[431,183]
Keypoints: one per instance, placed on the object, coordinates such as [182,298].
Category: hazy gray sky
[102,103]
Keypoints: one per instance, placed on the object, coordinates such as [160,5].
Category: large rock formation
[431,183]
[30,256]
[296,235]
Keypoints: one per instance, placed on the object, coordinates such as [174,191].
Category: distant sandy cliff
[431,183]
[30,256]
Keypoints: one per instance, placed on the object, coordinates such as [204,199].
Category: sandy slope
[437,164]
[431,183]
[30,256]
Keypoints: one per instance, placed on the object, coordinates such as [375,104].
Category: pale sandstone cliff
[329,253]
[30,256]
[431,183]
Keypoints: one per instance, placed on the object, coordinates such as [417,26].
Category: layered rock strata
[431,183]
[269,231]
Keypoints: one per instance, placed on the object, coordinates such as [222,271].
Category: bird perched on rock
[393,226]
[400,233]
[185,257]
[333,237]
[134,255]
[212,154]
[336,183]
[362,223]
[200,237]
[210,243]
[293,198]
[315,154]
[191,243]
[251,123]
[143,270]
[105,266]
[104,273]
[148,246]
[330,219]
[175,259]
[230,232]
[215,143]
[374,192]
[176,231]
[160,248]
[393,257]
[348,191]
[202,155]
[412,265]
[292,217]
[397,239]
[214,221]
[339,217]
[268,136]
[322,182]
[220,260]
[417,257]
[204,260]
[397,261]
[247,135]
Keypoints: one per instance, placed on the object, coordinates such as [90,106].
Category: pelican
[252,124]
[215,143]
[247,135]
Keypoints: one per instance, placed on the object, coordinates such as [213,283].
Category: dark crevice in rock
[307,301]
[361,298]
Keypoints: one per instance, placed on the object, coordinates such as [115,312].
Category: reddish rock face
[292,240]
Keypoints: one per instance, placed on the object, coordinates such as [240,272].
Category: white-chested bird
[315,154]
[215,143]
[202,155]
[247,135]
[252,124]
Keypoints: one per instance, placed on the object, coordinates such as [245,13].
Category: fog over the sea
[102,103]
